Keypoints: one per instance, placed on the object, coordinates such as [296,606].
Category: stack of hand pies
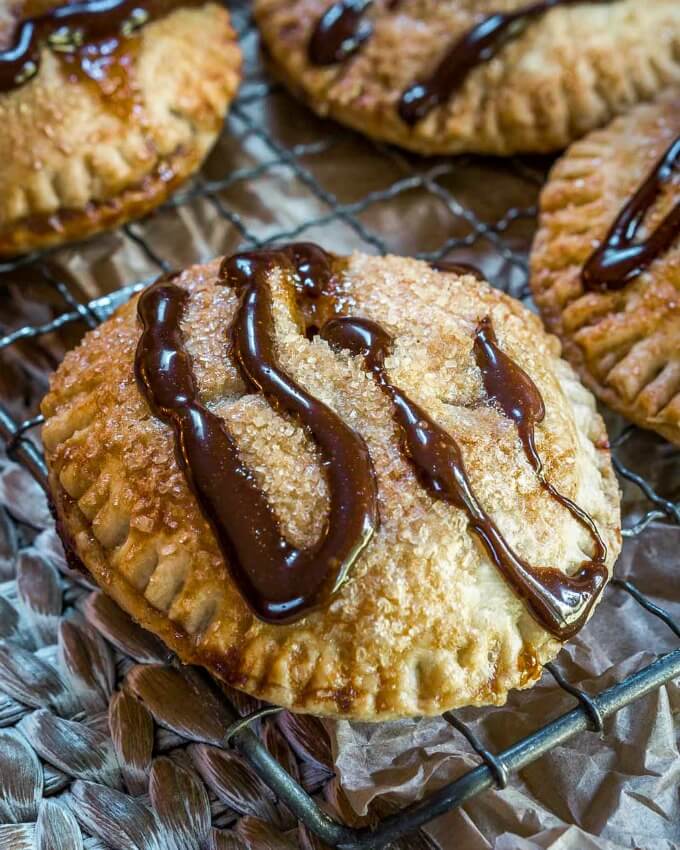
[357,486]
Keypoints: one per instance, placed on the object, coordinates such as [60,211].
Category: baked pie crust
[625,343]
[570,70]
[77,157]
[424,621]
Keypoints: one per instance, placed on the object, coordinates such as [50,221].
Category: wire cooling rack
[280,174]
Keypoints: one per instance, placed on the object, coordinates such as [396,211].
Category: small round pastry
[358,487]
[605,265]
[105,109]
[494,76]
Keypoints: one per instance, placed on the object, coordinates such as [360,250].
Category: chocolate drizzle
[508,386]
[620,257]
[560,603]
[343,29]
[457,268]
[281,582]
[340,32]
[477,45]
[70,28]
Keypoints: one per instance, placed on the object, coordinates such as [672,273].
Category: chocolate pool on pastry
[353,486]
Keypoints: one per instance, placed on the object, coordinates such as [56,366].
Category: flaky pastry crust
[77,157]
[568,72]
[424,621]
[626,343]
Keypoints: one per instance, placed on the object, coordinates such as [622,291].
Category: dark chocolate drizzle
[457,268]
[343,29]
[279,581]
[340,32]
[620,257]
[70,27]
[560,603]
[509,387]
[477,45]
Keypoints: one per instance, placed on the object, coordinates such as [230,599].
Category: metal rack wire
[471,234]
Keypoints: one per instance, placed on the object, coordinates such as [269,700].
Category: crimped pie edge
[490,114]
[349,700]
[76,188]
[565,238]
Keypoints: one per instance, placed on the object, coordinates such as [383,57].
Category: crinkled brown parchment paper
[617,790]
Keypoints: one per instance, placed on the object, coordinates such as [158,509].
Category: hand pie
[606,262]
[494,76]
[105,111]
[357,487]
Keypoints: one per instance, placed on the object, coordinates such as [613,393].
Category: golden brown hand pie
[101,133]
[414,72]
[622,335]
[437,411]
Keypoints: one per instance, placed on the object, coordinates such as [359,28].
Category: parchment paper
[617,790]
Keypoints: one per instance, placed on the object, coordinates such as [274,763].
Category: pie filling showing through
[73,30]
[281,582]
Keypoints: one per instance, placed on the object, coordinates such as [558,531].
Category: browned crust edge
[573,353]
[71,225]
[81,548]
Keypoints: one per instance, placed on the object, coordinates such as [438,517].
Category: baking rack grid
[22,444]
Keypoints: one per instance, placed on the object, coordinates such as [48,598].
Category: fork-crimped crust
[77,156]
[625,343]
[424,621]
